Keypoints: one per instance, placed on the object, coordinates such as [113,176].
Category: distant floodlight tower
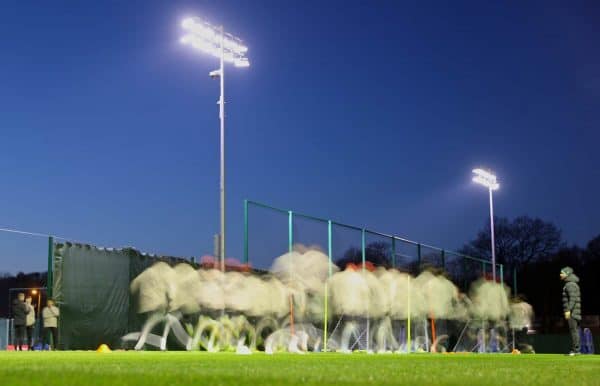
[489,180]
[228,49]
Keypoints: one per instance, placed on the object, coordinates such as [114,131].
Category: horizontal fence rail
[423,253]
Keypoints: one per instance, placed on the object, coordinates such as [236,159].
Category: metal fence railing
[270,232]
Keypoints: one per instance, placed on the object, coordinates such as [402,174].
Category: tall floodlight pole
[228,49]
[490,181]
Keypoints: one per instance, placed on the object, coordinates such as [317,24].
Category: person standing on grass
[571,296]
[20,312]
[29,321]
[50,316]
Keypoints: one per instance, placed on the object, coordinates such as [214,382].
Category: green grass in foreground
[186,368]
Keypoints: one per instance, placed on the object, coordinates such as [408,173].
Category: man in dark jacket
[571,297]
[20,311]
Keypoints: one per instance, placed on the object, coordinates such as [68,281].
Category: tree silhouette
[518,242]
[378,253]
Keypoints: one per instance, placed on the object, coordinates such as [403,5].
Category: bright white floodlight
[228,49]
[485,178]
[214,41]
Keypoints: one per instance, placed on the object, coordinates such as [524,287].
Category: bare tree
[518,242]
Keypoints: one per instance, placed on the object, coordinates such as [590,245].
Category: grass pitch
[186,368]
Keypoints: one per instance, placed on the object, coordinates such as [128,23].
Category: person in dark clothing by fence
[571,297]
[20,311]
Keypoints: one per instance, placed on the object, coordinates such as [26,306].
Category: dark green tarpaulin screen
[91,287]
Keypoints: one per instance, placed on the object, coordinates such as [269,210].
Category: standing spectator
[571,297]
[20,312]
[30,321]
[50,315]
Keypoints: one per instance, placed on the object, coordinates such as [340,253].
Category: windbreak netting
[92,289]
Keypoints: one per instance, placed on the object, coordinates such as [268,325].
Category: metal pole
[222,118]
[393,252]
[290,249]
[290,231]
[326,299]
[245,231]
[408,341]
[492,234]
[364,255]
[49,273]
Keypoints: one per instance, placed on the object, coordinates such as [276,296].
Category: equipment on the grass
[103,348]
[587,341]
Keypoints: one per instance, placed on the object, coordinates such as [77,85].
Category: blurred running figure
[571,297]
[50,315]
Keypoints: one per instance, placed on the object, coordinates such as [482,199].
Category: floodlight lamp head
[486,178]
[215,74]
[214,41]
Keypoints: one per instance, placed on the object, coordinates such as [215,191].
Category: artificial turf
[188,368]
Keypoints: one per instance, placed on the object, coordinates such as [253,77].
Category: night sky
[369,113]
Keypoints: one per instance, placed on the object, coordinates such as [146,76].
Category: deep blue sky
[371,113]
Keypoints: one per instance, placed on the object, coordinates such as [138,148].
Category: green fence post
[245,231]
[515,280]
[418,257]
[408,317]
[393,252]
[502,274]
[364,258]
[330,272]
[330,246]
[483,268]
[363,249]
[49,276]
[290,231]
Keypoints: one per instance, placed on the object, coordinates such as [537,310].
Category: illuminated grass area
[185,368]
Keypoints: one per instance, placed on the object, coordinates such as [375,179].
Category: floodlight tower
[489,180]
[227,48]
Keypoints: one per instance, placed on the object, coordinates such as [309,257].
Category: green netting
[91,287]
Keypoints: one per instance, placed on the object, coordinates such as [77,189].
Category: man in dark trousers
[571,297]
[20,311]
